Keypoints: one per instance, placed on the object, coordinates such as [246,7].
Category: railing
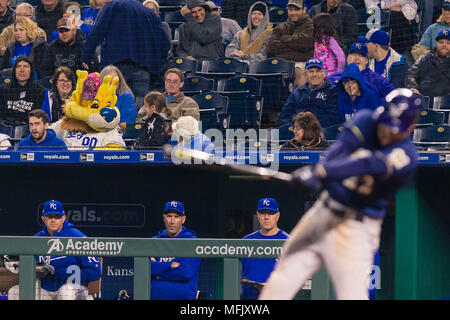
[230,250]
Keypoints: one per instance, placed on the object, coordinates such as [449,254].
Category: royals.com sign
[102,215]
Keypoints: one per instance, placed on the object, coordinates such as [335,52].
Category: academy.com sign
[84,247]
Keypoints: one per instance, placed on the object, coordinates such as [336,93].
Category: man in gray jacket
[201,34]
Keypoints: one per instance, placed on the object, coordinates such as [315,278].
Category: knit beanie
[259,7]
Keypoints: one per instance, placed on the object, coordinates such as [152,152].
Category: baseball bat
[192,154]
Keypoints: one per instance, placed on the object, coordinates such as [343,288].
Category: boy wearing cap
[65,50]
[258,270]
[430,74]
[383,59]
[174,278]
[317,96]
[60,285]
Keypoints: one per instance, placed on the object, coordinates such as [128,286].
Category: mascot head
[94,102]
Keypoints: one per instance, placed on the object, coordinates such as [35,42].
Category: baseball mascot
[91,120]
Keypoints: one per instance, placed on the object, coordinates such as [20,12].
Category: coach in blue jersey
[258,270]
[174,278]
[70,275]
[371,159]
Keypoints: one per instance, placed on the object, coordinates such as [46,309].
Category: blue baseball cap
[53,207]
[445,3]
[268,204]
[175,206]
[378,36]
[444,34]
[362,39]
[314,63]
[358,47]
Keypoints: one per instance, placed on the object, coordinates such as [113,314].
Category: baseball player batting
[371,159]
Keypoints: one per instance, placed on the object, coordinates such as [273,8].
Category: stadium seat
[245,101]
[46,82]
[425,100]
[208,100]
[5,79]
[277,77]
[277,15]
[189,67]
[429,117]
[5,129]
[330,133]
[208,118]
[222,68]
[173,18]
[441,102]
[435,137]
[132,131]
[285,133]
[194,85]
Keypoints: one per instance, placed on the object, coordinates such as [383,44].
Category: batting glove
[307,178]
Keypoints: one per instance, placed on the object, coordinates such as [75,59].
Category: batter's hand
[308,178]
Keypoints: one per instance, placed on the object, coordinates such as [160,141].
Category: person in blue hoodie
[174,278]
[68,275]
[317,96]
[41,138]
[354,93]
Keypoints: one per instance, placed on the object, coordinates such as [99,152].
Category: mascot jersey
[79,140]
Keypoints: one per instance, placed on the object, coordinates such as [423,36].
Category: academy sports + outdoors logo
[84,247]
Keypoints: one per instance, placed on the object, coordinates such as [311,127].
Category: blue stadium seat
[429,117]
[209,100]
[173,18]
[277,15]
[6,129]
[245,101]
[277,77]
[285,133]
[194,85]
[425,100]
[222,68]
[132,131]
[189,67]
[5,79]
[330,133]
[46,82]
[435,137]
[208,118]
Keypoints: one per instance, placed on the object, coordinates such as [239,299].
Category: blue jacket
[51,143]
[128,32]
[178,283]
[322,102]
[90,269]
[367,100]
[127,107]
[374,81]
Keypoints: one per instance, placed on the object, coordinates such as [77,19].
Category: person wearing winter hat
[20,95]
[187,134]
[251,43]
[200,37]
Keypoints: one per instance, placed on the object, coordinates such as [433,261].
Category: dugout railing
[229,250]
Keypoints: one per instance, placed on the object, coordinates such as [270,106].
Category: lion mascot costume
[91,120]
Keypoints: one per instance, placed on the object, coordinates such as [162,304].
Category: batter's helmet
[400,110]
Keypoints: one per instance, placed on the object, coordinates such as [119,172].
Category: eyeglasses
[65,81]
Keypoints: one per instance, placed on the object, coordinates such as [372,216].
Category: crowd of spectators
[338,70]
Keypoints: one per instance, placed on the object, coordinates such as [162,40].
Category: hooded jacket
[203,41]
[51,143]
[59,54]
[367,100]
[90,269]
[322,102]
[292,41]
[16,100]
[175,283]
[264,30]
